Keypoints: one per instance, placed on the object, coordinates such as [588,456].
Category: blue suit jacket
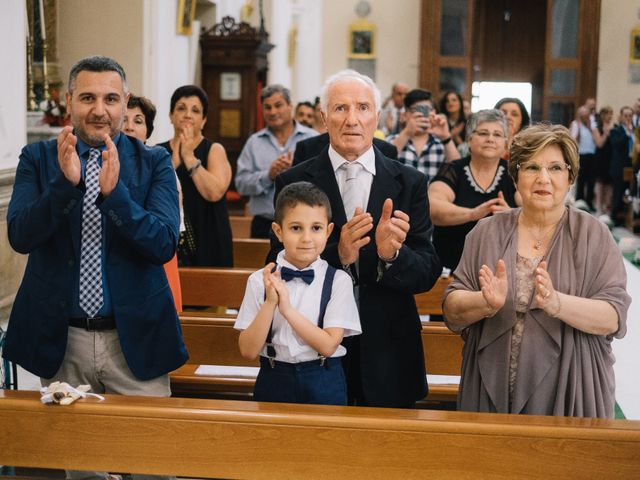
[142,222]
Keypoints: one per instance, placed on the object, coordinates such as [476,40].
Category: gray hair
[342,76]
[97,63]
[484,116]
[270,90]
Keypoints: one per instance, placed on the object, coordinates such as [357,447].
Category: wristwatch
[445,141]
[193,169]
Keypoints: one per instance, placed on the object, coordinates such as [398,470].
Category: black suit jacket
[312,147]
[390,352]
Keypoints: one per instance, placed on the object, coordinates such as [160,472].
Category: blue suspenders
[324,301]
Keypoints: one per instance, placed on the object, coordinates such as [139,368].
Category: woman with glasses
[466,190]
[539,294]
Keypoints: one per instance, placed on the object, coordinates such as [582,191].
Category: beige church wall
[617,19]
[95,27]
[396,41]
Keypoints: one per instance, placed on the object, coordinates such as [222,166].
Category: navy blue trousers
[306,382]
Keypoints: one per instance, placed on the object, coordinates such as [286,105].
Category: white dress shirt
[341,312]
[365,178]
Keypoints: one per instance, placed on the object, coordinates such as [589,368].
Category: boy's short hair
[300,192]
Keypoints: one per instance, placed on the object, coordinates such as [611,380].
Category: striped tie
[90,251]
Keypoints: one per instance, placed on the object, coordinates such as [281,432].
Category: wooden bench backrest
[213,341]
[213,286]
[231,439]
[250,252]
[207,287]
[240,226]
[430,303]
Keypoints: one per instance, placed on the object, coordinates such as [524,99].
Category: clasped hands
[280,164]
[70,162]
[276,293]
[494,288]
[390,234]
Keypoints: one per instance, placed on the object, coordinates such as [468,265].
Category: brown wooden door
[552,44]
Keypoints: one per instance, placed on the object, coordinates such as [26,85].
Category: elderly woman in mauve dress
[539,295]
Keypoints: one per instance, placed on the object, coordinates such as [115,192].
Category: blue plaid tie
[90,251]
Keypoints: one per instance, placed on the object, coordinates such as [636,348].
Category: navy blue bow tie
[289,274]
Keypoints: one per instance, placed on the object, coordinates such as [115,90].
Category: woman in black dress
[205,174]
[466,190]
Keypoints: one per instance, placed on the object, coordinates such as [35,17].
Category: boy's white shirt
[342,311]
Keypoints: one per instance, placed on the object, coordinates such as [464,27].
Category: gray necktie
[351,194]
[90,251]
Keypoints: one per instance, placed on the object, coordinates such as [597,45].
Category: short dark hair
[304,104]
[270,90]
[96,63]
[190,91]
[526,119]
[147,108]
[300,192]
[417,95]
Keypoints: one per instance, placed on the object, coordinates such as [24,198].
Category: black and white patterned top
[449,241]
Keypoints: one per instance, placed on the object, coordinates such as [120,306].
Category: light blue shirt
[252,176]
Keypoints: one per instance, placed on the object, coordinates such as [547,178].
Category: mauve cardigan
[561,370]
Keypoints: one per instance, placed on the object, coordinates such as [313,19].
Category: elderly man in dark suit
[381,237]
[312,147]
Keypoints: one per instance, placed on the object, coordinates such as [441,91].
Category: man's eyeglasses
[484,134]
[532,169]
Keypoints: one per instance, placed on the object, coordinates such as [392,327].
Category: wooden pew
[250,252]
[430,303]
[225,286]
[213,341]
[213,286]
[240,226]
[229,439]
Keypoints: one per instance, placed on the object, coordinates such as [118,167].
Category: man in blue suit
[107,319]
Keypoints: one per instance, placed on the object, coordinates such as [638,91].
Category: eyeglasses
[484,134]
[532,169]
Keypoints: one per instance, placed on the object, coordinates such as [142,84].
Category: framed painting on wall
[186,14]
[362,40]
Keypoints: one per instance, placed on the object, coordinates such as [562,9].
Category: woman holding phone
[472,188]
[424,142]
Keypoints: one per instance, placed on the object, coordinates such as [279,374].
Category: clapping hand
[68,157]
[110,171]
[391,231]
[546,296]
[494,287]
[353,236]
[280,164]
[271,294]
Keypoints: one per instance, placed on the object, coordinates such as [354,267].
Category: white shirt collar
[280,260]
[367,160]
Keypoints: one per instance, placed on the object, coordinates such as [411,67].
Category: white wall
[13,122]
[617,19]
[397,39]
[94,27]
[169,61]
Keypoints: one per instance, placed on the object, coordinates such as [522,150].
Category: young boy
[295,312]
